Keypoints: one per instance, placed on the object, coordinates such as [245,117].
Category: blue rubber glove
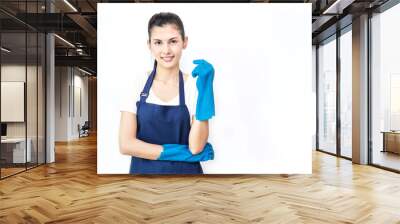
[204,72]
[176,152]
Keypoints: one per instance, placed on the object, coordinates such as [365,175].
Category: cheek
[177,50]
[155,52]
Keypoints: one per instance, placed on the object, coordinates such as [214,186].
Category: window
[385,88]
[327,96]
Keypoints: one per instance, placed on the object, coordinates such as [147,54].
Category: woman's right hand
[130,145]
[177,152]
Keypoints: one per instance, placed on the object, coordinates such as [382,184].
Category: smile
[167,59]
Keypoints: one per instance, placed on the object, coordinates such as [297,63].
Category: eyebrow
[168,39]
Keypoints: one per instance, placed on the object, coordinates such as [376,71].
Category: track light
[5,50]
[337,7]
[64,40]
[84,71]
[70,5]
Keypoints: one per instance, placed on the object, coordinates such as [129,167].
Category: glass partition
[13,95]
[385,89]
[327,96]
[41,109]
[346,94]
[22,77]
[31,100]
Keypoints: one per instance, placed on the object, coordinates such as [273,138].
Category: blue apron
[158,124]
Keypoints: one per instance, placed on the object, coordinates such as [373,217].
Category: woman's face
[166,45]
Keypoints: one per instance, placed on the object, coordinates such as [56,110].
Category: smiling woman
[160,128]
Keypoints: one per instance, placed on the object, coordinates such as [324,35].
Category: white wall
[67,116]
[61,103]
[80,83]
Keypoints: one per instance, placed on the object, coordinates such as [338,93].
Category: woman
[160,133]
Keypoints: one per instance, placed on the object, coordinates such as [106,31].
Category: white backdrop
[263,88]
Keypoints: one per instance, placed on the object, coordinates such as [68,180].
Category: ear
[185,43]
[148,44]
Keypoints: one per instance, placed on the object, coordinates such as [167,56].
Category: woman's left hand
[204,72]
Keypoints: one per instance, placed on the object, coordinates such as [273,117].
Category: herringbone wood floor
[70,191]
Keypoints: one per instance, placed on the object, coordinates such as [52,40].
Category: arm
[198,135]
[130,145]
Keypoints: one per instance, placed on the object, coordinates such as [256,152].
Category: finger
[195,72]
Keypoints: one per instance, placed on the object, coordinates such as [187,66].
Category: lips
[167,59]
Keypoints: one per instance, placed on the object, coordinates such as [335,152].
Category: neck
[166,74]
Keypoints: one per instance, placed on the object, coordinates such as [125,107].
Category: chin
[169,65]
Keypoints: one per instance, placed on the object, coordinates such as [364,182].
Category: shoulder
[142,78]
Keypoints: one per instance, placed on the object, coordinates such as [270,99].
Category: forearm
[130,145]
[198,136]
[141,149]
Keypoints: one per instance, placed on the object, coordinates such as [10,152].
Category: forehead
[164,32]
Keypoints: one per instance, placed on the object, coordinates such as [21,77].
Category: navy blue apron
[158,124]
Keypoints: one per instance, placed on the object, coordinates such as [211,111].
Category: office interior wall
[92,99]
[17,73]
[61,103]
[81,95]
[71,102]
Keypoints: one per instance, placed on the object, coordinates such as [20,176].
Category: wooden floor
[70,191]
[387,159]
[10,171]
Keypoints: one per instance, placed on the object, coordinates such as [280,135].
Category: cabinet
[391,141]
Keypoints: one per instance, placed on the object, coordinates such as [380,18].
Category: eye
[174,41]
[157,42]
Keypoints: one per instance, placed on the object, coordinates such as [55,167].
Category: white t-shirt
[129,103]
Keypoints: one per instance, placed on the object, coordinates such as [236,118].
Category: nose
[165,49]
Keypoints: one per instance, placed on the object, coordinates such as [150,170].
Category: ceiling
[76,22]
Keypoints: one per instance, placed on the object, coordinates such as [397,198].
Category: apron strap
[181,89]
[145,92]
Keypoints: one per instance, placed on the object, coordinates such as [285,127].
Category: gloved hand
[204,72]
[176,152]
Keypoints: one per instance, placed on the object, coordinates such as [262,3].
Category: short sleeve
[132,94]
